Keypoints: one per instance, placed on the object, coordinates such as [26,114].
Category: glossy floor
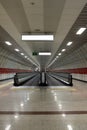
[52,108]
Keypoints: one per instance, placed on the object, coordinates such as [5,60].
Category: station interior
[43,64]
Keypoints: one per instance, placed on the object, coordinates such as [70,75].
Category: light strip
[25,56]
[22,54]
[8,43]
[69,43]
[59,54]
[80,31]
[44,53]
[30,60]
[63,50]
[38,37]
[17,50]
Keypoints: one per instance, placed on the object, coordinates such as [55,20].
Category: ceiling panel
[68,17]
[40,16]
[14,9]
[72,53]
[34,13]
[52,13]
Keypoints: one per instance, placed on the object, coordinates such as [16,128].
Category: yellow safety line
[6,84]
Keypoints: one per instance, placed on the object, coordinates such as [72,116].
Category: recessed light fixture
[69,43]
[22,54]
[27,98]
[63,50]
[53,61]
[38,37]
[59,54]
[80,31]
[17,50]
[25,56]
[8,43]
[44,53]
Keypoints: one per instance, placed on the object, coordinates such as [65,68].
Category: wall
[10,64]
[75,63]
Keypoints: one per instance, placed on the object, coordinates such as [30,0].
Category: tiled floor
[52,108]
[43,122]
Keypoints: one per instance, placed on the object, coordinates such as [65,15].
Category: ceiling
[58,17]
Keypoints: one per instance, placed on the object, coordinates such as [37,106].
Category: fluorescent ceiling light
[22,54]
[17,50]
[59,54]
[44,53]
[38,37]
[8,43]
[69,43]
[63,50]
[51,63]
[80,31]
[25,56]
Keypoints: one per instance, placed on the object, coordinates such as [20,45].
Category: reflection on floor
[43,108]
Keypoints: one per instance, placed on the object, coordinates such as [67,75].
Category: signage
[34,53]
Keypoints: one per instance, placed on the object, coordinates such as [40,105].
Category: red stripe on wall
[8,70]
[76,70]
